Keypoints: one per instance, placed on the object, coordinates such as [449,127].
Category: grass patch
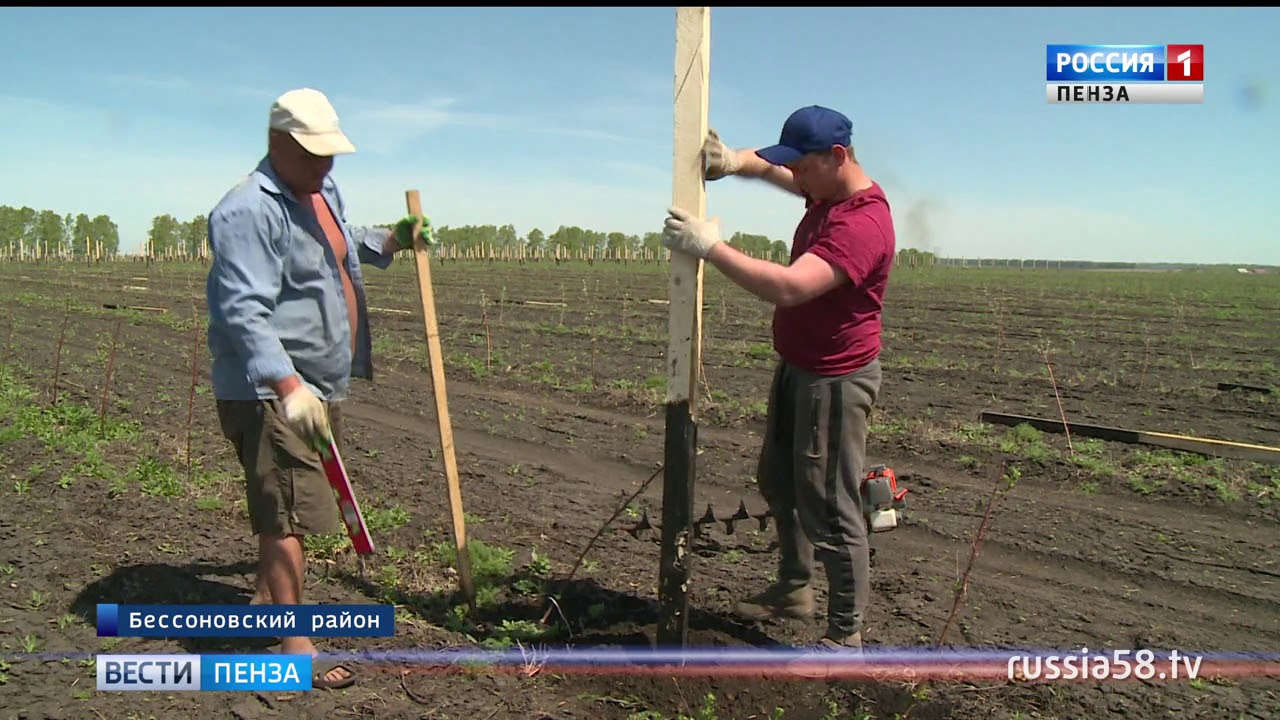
[70,432]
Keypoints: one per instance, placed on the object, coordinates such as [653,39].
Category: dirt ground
[555,396]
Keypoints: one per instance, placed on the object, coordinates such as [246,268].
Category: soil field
[119,488]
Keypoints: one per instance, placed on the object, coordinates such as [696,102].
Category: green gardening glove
[403,231]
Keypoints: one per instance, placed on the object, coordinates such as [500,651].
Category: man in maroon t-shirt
[826,330]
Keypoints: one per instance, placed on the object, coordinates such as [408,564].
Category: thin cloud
[21,103]
[639,171]
[166,83]
[148,82]
[387,127]
[582,133]
[1055,231]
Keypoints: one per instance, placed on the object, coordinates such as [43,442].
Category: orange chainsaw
[882,502]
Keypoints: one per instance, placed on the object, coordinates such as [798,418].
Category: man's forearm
[750,164]
[240,312]
[376,246]
[753,166]
[766,280]
[265,356]
[244,285]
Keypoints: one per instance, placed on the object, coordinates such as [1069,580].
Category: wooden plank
[1202,446]
[1250,388]
[423,260]
[146,308]
[684,349]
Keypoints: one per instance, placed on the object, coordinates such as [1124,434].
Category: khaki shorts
[285,485]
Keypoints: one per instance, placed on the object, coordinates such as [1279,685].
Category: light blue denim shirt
[276,301]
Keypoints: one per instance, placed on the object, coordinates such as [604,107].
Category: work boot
[825,660]
[778,601]
[845,643]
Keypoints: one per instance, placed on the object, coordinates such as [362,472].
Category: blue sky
[542,117]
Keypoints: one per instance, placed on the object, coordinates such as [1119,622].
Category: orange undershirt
[338,242]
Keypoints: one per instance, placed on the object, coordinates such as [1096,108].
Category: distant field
[555,391]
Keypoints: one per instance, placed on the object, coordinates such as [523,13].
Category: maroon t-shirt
[839,332]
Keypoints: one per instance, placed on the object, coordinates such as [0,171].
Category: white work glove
[721,160]
[305,415]
[684,233]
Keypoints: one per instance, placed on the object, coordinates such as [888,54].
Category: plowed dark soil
[557,418]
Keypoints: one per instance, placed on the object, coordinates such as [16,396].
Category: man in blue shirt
[288,329]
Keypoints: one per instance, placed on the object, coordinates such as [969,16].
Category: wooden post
[414,203]
[684,349]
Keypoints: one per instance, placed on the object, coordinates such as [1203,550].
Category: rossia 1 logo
[1124,73]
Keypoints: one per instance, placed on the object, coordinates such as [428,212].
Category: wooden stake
[106,380]
[1066,427]
[684,350]
[414,203]
[57,362]
[1208,447]
[191,393]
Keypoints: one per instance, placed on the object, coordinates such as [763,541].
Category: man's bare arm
[754,166]
[783,285]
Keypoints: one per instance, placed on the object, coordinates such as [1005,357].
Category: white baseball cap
[308,116]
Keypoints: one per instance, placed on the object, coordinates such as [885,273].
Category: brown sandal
[319,680]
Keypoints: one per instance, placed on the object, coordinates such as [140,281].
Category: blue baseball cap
[809,129]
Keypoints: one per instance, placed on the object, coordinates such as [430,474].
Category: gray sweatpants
[811,465]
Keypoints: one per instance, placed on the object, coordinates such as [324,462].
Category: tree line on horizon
[47,233]
[33,232]
[65,235]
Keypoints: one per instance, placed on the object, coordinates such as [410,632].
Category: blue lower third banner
[171,673]
[169,621]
